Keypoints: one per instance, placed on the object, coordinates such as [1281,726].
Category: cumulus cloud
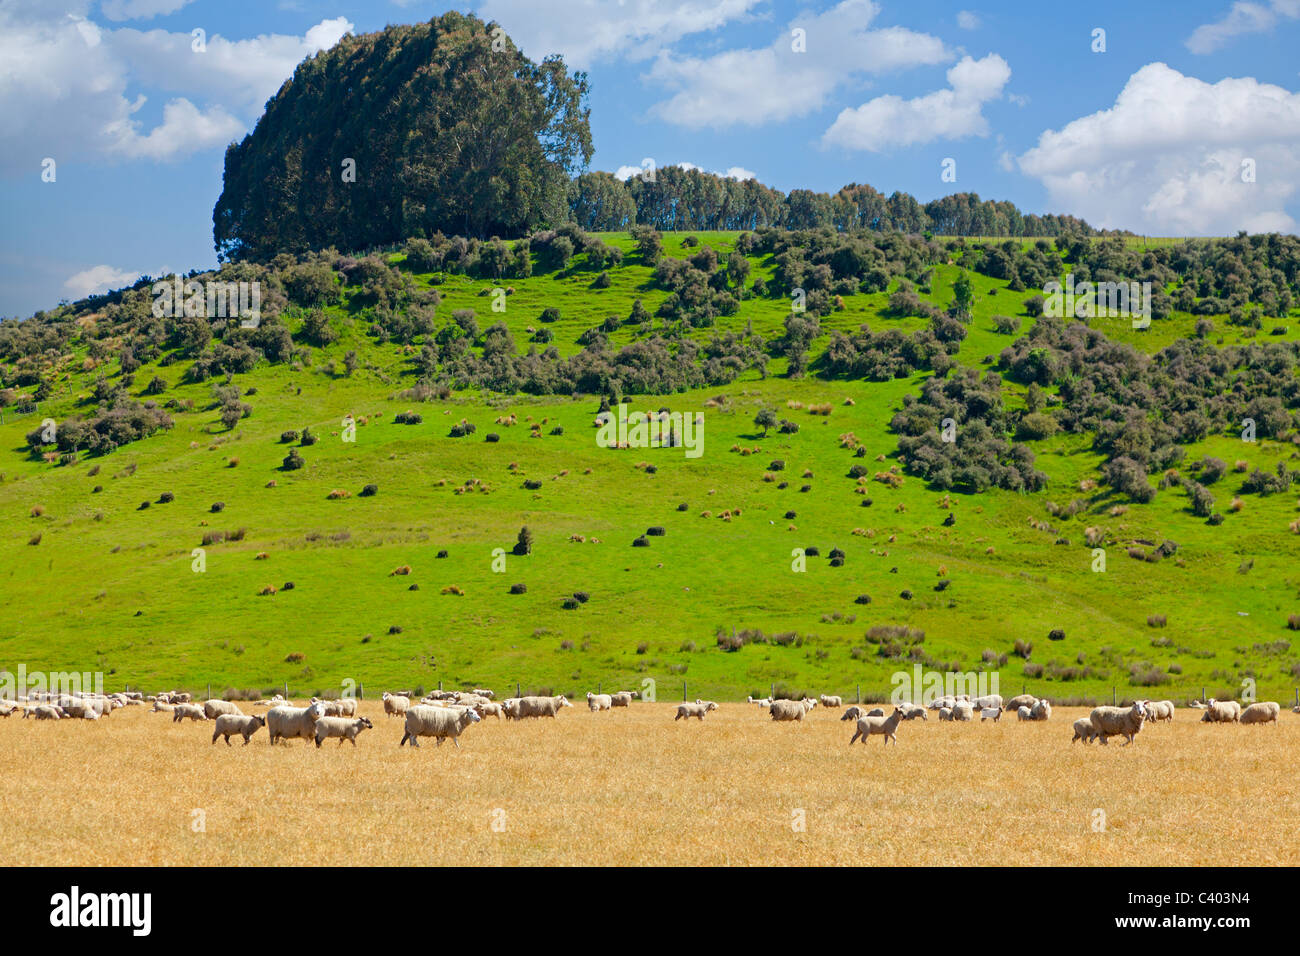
[954,113]
[140,9]
[586,31]
[74,90]
[1243,17]
[794,75]
[1167,157]
[967,20]
[97,279]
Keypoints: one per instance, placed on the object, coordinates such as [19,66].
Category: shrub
[642,647]
[641,542]
[683,506]
[524,542]
[288,437]
[288,586]
[1056,634]
[790,516]
[217,507]
[1022,649]
[569,604]
[778,465]
[519,589]
[812,551]
[441,554]
[862,599]
[858,471]
[656,532]
[1293,622]
[905,594]
[166,498]
[408,418]
[582,597]
[369,491]
[532,484]
[492,437]
[292,461]
[308,439]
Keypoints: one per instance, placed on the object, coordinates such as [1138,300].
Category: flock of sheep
[445,715]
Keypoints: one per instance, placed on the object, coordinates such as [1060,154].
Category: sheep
[1021,700]
[987,701]
[945,713]
[990,713]
[1083,730]
[962,710]
[1159,710]
[1263,712]
[830,700]
[788,709]
[912,711]
[344,728]
[597,702]
[489,710]
[853,713]
[621,699]
[286,723]
[438,722]
[192,711]
[44,712]
[1221,712]
[761,702]
[511,708]
[1025,713]
[875,712]
[484,692]
[1041,710]
[1110,722]
[884,726]
[228,724]
[6,709]
[542,706]
[214,708]
[395,705]
[939,703]
[697,709]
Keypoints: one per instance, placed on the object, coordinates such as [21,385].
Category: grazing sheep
[853,713]
[192,711]
[621,699]
[287,723]
[945,713]
[762,701]
[990,713]
[542,706]
[158,705]
[829,700]
[439,722]
[987,701]
[1083,730]
[1041,710]
[962,710]
[788,709]
[697,709]
[912,711]
[245,727]
[1263,712]
[875,712]
[1159,710]
[597,702]
[1025,713]
[1110,722]
[1021,700]
[212,709]
[1221,712]
[489,710]
[511,708]
[884,726]
[939,703]
[44,712]
[484,692]
[344,728]
[395,705]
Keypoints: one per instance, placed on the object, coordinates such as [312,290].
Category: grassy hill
[92,580]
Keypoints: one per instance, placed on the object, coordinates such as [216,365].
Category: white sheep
[830,700]
[44,712]
[697,709]
[597,702]
[882,726]
[439,722]
[987,701]
[214,708]
[789,709]
[192,711]
[945,713]
[490,709]
[395,705]
[1041,710]
[1025,713]
[1083,730]
[286,723]
[1263,712]
[853,713]
[1221,712]
[228,724]
[1110,722]
[990,713]
[1020,700]
[484,692]
[962,710]
[622,699]
[542,706]
[344,728]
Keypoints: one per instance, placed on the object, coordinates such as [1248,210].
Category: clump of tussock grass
[453,589]
[401,570]
[338,494]
[1157,620]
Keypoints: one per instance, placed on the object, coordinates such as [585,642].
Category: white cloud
[1166,159]
[140,9]
[586,31]
[1243,17]
[72,89]
[967,20]
[779,81]
[98,279]
[954,113]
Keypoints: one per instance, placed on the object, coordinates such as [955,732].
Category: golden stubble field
[633,787]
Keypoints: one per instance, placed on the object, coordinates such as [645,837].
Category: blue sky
[1149,135]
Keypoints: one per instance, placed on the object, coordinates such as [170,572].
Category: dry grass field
[634,787]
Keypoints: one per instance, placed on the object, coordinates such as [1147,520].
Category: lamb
[245,727]
[962,710]
[1020,700]
[788,709]
[439,722]
[542,706]
[988,701]
[1083,730]
[829,700]
[621,699]
[1041,710]
[945,713]
[884,726]
[192,711]
[597,702]
[344,728]
[1025,713]
[287,723]
[1110,722]
[1263,712]
[1221,712]
[990,713]
[1159,710]
[214,708]
[395,705]
[697,709]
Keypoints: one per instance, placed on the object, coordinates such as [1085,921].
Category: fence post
[286,690]
[439,685]
[517,694]
[771,691]
[683,692]
[361,692]
[209,690]
[1113,698]
[859,695]
[597,687]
